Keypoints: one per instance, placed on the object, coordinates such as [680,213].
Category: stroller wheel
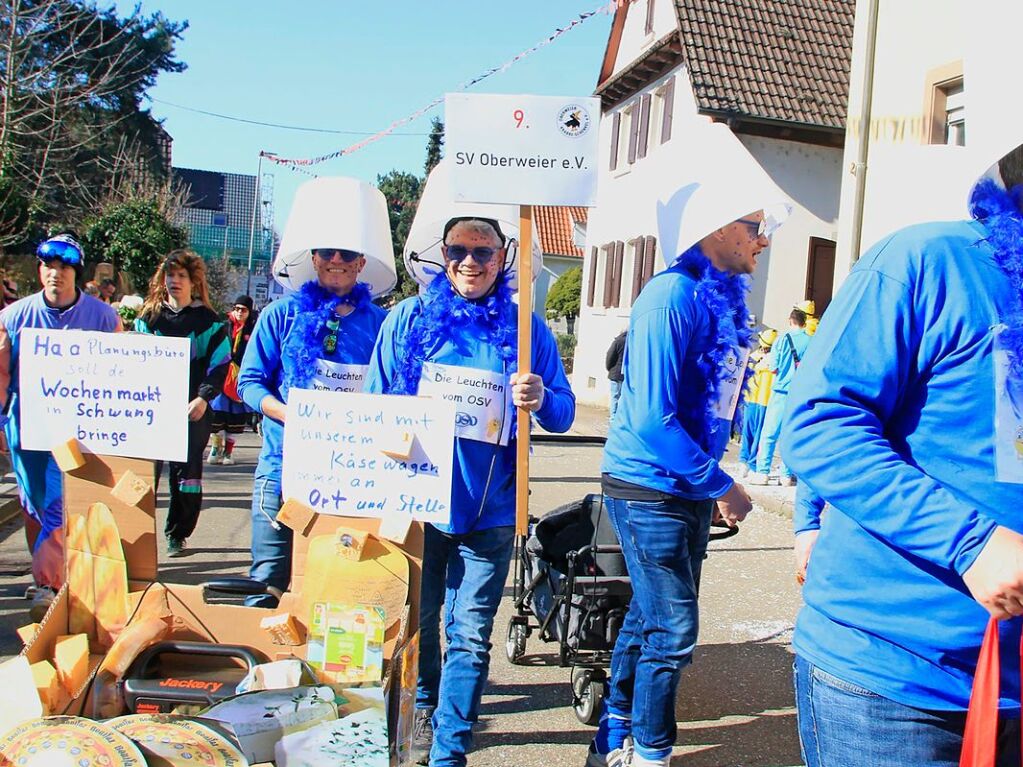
[589,686]
[515,644]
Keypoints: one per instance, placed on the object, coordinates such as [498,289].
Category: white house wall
[626,209]
[635,39]
[914,37]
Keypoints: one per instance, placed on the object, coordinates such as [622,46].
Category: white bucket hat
[721,182]
[423,258]
[343,213]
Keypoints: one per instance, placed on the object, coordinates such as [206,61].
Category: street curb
[9,509]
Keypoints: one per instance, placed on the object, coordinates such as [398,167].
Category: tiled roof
[772,59]
[555,226]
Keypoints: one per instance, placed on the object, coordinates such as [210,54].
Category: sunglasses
[480,255]
[760,226]
[327,254]
[61,251]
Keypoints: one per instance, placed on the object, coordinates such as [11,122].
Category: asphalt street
[735,703]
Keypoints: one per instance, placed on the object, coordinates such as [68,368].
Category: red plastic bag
[980,737]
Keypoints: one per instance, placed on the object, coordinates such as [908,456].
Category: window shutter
[633,132]
[593,276]
[637,267]
[616,125]
[669,104]
[609,273]
[644,124]
[619,262]
[649,26]
[649,255]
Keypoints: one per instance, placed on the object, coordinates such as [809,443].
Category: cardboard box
[193,618]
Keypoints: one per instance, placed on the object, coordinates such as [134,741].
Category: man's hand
[273,408]
[805,541]
[196,409]
[734,505]
[995,579]
[527,391]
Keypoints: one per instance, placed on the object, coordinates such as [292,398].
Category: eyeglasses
[327,254]
[480,255]
[60,250]
[759,226]
[240,308]
[330,340]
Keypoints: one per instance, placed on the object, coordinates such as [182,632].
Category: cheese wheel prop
[68,741]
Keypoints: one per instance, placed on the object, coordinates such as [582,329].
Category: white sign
[117,393]
[526,150]
[338,376]
[732,384]
[334,459]
[483,409]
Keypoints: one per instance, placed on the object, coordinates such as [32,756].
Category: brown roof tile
[774,59]
[555,226]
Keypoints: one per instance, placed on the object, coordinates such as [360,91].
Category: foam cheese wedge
[110,573]
[68,455]
[47,685]
[71,659]
[27,633]
[81,599]
[130,488]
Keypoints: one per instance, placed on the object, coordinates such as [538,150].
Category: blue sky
[344,65]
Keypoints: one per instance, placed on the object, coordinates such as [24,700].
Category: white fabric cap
[343,213]
[423,257]
[721,182]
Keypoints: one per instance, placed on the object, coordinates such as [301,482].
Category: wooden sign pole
[525,341]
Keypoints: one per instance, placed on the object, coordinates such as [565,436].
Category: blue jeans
[664,543]
[467,572]
[844,725]
[769,435]
[271,546]
[615,387]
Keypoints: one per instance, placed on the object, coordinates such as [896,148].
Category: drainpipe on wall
[859,168]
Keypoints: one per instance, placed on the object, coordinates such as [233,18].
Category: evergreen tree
[435,146]
[401,190]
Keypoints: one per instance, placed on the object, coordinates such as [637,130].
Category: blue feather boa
[999,211]
[305,341]
[724,296]
[443,312]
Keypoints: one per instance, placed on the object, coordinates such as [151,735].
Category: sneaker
[787,482]
[619,757]
[175,547]
[215,458]
[756,478]
[228,461]
[743,471]
[41,601]
[422,735]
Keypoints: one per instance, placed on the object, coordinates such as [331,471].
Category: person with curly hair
[178,306]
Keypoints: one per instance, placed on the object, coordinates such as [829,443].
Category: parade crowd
[898,416]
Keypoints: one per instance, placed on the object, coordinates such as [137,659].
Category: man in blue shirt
[463,328]
[788,353]
[660,474]
[905,416]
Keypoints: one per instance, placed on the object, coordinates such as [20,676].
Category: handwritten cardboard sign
[334,459]
[117,393]
[526,150]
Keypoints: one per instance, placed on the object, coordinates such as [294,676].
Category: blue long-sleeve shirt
[806,513]
[265,368]
[891,418]
[784,351]
[648,445]
[483,486]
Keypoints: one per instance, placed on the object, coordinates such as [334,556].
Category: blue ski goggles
[63,249]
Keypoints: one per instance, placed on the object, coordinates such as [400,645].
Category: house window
[592,292]
[633,256]
[945,106]
[648,27]
[605,274]
[643,131]
[616,128]
[630,128]
[667,92]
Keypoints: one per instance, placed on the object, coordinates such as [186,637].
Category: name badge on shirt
[481,398]
[1008,417]
[731,386]
[338,376]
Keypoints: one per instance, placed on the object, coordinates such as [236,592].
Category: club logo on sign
[573,120]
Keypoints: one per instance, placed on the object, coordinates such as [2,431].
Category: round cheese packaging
[68,741]
[170,741]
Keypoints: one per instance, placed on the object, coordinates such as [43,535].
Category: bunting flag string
[299,164]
